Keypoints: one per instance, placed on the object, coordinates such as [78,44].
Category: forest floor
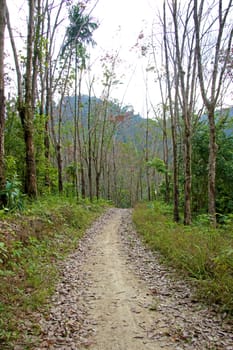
[114,294]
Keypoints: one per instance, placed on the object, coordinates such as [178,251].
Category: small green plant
[14,195]
[40,236]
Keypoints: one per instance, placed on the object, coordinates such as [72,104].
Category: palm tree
[78,34]
[80,30]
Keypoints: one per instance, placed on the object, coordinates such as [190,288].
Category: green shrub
[200,252]
[31,244]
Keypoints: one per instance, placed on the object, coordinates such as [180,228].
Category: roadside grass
[32,243]
[199,252]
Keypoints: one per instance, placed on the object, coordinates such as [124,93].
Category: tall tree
[51,18]
[184,40]
[79,33]
[26,96]
[2,99]
[173,106]
[103,134]
[162,81]
[211,85]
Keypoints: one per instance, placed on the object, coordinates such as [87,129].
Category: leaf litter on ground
[189,325]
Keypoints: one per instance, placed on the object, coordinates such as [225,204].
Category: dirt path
[118,301]
[114,295]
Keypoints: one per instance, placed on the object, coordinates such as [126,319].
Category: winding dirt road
[114,295]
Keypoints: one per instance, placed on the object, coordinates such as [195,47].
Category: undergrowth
[200,252]
[31,244]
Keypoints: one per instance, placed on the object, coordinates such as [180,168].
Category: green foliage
[224,167]
[15,150]
[14,143]
[13,194]
[79,32]
[71,171]
[31,245]
[158,164]
[200,252]
[11,167]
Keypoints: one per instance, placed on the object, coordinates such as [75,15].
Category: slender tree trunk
[59,165]
[147,147]
[147,158]
[114,171]
[176,214]
[97,182]
[215,83]
[59,148]
[83,180]
[186,104]
[212,166]
[188,176]
[2,101]
[48,111]
[173,114]
[27,112]
[89,146]
[165,156]
[108,181]
[76,101]
[49,77]
[163,94]
[81,147]
[47,148]
[26,105]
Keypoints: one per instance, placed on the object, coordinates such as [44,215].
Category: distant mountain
[130,127]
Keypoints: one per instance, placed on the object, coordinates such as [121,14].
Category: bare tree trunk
[76,110]
[83,181]
[48,78]
[97,183]
[58,148]
[212,166]
[210,96]
[165,156]
[27,111]
[2,101]
[114,170]
[173,122]
[89,146]
[48,103]
[187,176]
[175,167]
[147,158]
[26,105]
[59,165]
[163,92]
[186,98]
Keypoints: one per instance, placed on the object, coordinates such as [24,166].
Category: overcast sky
[120,25]
[121,22]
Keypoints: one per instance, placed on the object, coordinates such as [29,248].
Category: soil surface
[115,295]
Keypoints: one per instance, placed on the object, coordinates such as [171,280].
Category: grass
[31,244]
[198,251]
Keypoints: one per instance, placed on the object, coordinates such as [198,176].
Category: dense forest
[55,138]
[68,153]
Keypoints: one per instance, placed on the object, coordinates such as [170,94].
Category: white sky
[121,21]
